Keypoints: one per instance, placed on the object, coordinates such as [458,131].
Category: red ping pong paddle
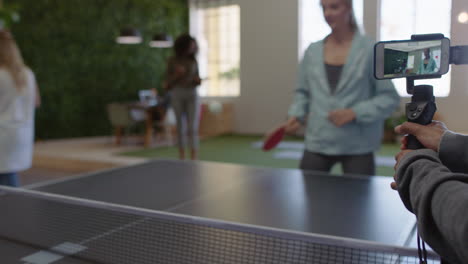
[274,138]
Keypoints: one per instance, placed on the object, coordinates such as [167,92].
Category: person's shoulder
[315,44]
[28,71]
[6,72]
[313,47]
[365,37]
[363,44]
[364,40]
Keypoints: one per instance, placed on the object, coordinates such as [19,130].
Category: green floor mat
[240,149]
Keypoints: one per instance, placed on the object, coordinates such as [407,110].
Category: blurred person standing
[338,98]
[428,64]
[19,97]
[182,79]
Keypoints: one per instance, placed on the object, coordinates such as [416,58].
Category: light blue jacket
[372,100]
[430,67]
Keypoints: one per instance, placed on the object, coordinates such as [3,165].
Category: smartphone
[404,58]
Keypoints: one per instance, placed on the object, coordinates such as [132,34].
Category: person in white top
[18,98]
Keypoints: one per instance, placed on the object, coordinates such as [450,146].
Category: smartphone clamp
[422,107]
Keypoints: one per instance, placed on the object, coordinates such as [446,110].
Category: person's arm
[300,106]
[196,79]
[166,84]
[382,104]
[439,199]
[421,67]
[432,67]
[174,72]
[437,137]
[453,151]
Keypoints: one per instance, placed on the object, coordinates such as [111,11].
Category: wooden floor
[35,175]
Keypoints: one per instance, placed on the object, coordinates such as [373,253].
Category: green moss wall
[70,45]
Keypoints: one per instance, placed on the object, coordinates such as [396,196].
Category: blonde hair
[352,21]
[11,59]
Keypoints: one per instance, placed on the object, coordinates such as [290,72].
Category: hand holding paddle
[275,137]
[292,125]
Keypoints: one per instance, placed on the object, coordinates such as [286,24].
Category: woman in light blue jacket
[338,99]
[428,64]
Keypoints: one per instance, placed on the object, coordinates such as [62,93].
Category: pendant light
[129,36]
[161,41]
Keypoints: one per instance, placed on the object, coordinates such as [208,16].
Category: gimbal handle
[422,107]
[420,110]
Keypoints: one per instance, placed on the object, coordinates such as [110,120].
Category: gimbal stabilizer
[422,107]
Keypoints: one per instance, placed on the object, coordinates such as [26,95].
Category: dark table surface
[355,207]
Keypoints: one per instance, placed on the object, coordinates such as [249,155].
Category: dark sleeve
[439,199]
[453,151]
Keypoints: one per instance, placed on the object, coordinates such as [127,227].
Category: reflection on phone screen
[412,58]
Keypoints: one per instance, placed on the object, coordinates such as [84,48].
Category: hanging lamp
[161,40]
[129,36]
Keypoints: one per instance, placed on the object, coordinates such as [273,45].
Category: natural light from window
[416,17]
[216,26]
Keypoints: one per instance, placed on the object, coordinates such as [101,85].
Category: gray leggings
[184,101]
[363,164]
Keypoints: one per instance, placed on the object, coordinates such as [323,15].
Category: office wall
[269,48]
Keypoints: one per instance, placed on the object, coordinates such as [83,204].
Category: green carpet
[238,149]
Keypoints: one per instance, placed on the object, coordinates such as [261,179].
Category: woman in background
[338,98]
[428,64]
[182,79]
[18,98]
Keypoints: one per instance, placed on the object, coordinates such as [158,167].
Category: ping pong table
[168,211]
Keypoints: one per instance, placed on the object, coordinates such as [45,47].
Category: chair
[162,123]
[120,116]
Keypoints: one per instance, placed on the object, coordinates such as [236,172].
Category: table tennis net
[96,232]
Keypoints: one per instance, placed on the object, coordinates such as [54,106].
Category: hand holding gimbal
[391,55]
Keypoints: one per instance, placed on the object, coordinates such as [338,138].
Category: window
[216,26]
[312,25]
[416,17]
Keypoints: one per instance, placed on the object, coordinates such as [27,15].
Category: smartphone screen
[397,59]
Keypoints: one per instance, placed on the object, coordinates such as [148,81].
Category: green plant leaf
[70,46]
